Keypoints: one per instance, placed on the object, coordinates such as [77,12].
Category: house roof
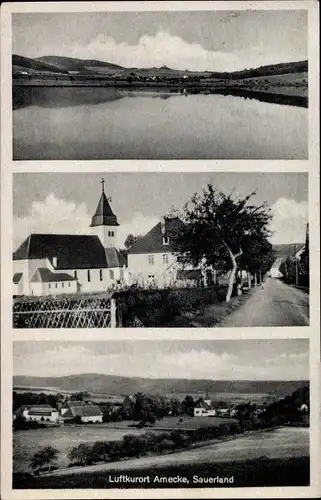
[71,251]
[152,242]
[17,277]
[44,275]
[41,411]
[205,406]
[38,407]
[104,215]
[82,410]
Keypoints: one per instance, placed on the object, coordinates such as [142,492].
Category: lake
[105,123]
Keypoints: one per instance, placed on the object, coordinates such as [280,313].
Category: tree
[44,456]
[218,229]
[81,453]
[130,240]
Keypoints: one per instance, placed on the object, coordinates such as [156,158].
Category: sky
[65,202]
[280,359]
[208,40]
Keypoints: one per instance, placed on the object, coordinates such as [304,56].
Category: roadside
[211,315]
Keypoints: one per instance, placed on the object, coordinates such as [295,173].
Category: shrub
[156,307]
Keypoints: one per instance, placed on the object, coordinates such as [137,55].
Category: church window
[49,286]
[75,274]
[151,259]
[88,276]
[165,258]
[111,234]
[111,274]
[101,276]
[56,285]
[69,283]
[62,285]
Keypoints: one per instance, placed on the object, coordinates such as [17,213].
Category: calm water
[98,123]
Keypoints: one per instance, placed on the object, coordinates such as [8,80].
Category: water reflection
[60,97]
[104,123]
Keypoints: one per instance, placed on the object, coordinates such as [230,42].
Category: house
[204,408]
[79,410]
[275,269]
[52,264]
[37,413]
[152,259]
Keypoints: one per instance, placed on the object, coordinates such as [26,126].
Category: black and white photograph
[161,414]
[163,249]
[211,84]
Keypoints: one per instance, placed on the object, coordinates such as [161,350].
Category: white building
[39,413]
[51,264]
[152,260]
[205,408]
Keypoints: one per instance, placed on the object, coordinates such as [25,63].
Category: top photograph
[168,85]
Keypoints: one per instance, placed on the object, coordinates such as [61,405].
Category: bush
[157,307]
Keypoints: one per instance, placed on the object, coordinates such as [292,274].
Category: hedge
[155,308]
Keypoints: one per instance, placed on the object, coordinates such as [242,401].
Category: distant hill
[73,64]
[93,66]
[286,250]
[116,385]
[34,64]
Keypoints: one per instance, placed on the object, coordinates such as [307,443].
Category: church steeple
[104,222]
[104,215]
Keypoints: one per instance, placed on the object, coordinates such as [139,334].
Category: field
[25,443]
[275,457]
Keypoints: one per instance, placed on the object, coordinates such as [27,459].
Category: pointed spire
[104,215]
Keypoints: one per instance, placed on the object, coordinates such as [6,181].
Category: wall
[53,417]
[62,287]
[94,419]
[103,233]
[95,285]
[140,270]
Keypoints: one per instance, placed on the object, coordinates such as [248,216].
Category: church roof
[104,215]
[115,258]
[71,251]
[44,275]
[153,242]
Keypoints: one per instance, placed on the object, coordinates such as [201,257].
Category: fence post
[113,319]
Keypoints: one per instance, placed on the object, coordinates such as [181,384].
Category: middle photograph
[134,250]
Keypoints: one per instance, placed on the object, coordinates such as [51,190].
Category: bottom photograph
[161,414]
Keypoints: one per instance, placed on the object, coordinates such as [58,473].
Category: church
[51,264]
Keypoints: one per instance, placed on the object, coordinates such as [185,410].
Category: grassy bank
[248,473]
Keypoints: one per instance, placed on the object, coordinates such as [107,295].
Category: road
[277,304]
[280,443]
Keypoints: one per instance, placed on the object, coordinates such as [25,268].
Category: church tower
[104,222]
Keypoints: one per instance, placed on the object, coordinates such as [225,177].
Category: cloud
[54,215]
[72,358]
[51,216]
[289,221]
[138,226]
[173,51]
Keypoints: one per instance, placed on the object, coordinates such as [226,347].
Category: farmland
[270,457]
[25,443]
